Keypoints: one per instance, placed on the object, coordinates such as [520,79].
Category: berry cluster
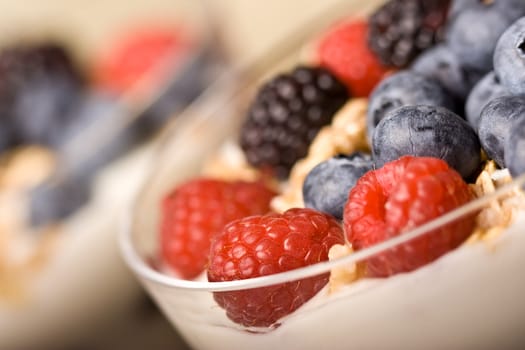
[429,126]
[475,74]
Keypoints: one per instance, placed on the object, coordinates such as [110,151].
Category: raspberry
[344,51]
[287,114]
[138,52]
[401,29]
[264,245]
[196,210]
[402,195]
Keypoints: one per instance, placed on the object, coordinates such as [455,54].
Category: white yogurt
[469,299]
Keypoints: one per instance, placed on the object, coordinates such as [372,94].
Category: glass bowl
[74,283]
[468,298]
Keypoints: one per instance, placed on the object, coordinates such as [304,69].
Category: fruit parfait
[367,195]
[74,117]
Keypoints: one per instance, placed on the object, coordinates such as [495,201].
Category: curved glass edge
[183,126]
[133,259]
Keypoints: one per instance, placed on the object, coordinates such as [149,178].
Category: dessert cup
[77,284]
[468,298]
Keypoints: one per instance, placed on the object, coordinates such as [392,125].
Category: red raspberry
[139,52]
[196,210]
[344,51]
[265,245]
[402,195]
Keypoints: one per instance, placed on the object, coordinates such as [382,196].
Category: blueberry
[441,64]
[514,148]
[496,122]
[327,185]
[483,92]
[430,131]
[405,88]
[474,32]
[509,58]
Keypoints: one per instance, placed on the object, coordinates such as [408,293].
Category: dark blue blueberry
[515,148]
[509,58]
[495,124]
[427,131]
[405,88]
[473,33]
[441,64]
[327,185]
[485,91]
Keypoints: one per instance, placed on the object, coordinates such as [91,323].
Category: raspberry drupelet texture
[402,195]
[264,245]
[196,210]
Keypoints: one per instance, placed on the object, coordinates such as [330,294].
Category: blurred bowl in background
[61,276]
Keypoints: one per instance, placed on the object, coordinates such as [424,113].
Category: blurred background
[85,86]
[249,27]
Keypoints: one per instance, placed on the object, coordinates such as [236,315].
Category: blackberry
[401,29]
[38,86]
[286,115]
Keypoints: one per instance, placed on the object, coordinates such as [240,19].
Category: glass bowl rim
[137,263]
[142,269]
